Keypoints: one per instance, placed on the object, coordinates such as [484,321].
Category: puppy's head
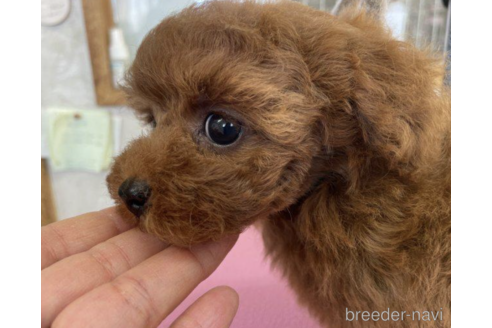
[249,104]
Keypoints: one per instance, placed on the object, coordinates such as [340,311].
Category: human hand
[99,271]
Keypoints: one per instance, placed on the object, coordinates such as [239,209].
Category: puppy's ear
[383,97]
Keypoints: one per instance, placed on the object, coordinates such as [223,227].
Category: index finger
[146,294]
[79,234]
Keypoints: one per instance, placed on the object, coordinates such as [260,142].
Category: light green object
[80,139]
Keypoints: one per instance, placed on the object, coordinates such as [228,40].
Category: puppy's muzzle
[135,193]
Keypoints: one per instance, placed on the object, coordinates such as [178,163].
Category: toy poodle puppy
[333,133]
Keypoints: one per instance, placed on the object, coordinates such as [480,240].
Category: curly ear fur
[375,233]
[386,105]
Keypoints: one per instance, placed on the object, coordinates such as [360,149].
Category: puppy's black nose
[135,194]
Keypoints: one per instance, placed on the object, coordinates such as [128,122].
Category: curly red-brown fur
[345,152]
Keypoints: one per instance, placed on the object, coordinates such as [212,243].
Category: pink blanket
[264,297]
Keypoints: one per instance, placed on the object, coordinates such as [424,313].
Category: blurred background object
[54,12]
[48,212]
[422,22]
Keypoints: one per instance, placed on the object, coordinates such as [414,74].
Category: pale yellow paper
[80,139]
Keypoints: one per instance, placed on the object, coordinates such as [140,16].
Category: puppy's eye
[221,131]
